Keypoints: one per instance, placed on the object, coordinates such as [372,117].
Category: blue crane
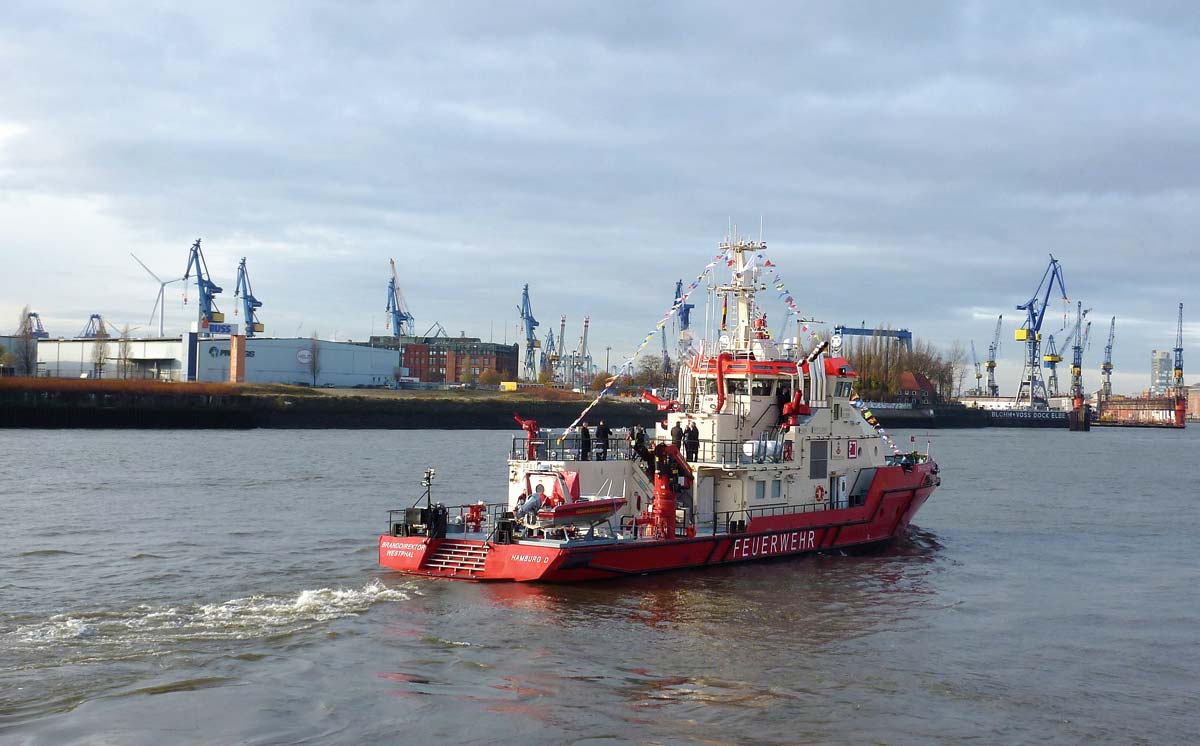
[531,340]
[95,328]
[993,351]
[32,327]
[402,320]
[1032,391]
[209,314]
[1080,336]
[1106,367]
[903,336]
[250,304]
[685,309]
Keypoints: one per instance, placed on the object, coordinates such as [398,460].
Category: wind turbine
[159,306]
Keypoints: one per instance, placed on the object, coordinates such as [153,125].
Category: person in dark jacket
[691,441]
[602,434]
[585,442]
[677,436]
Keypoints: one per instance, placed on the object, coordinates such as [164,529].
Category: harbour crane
[564,357]
[532,344]
[1081,341]
[978,390]
[993,351]
[666,356]
[684,314]
[903,336]
[207,289]
[32,327]
[250,304]
[1106,367]
[403,323]
[1032,390]
[1050,361]
[549,355]
[1177,373]
[582,370]
[95,329]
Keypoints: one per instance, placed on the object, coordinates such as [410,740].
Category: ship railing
[554,446]
[461,520]
[742,452]
[736,521]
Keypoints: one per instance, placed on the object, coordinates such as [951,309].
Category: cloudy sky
[913,164]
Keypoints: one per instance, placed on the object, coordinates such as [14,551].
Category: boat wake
[252,617]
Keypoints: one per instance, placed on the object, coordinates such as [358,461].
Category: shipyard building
[385,361]
[444,359]
[197,358]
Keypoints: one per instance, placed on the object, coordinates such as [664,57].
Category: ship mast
[742,289]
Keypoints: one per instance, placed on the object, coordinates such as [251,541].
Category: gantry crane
[32,327]
[1177,372]
[1106,367]
[250,304]
[990,365]
[531,341]
[403,323]
[207,289]
[1032,390]
[978,390]
[95,329]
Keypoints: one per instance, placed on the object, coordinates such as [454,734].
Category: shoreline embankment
[70,403]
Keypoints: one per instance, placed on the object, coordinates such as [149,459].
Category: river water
[191,587]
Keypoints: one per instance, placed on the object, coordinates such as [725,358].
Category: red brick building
[441,359]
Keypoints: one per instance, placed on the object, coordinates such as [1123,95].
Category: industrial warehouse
[215,351]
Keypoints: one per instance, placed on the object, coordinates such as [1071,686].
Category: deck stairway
[457,558]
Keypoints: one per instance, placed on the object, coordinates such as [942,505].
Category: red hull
[895,497]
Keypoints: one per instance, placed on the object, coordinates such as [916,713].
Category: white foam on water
[237,619]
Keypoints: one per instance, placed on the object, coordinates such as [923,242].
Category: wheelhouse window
[844,389]
[818,459]
[735,386]
[761,388]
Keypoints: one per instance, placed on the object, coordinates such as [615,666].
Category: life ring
[820,493]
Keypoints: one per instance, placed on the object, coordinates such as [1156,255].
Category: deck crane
[95,329]
[208,290]
[1106,367]
[978,390]
[1032,390]
[532,343]
[403,323]
[250,304]
[993,351]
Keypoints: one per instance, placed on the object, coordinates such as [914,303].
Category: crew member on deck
[602,434]
[585,442]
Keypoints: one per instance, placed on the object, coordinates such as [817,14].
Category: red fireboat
[778,459]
